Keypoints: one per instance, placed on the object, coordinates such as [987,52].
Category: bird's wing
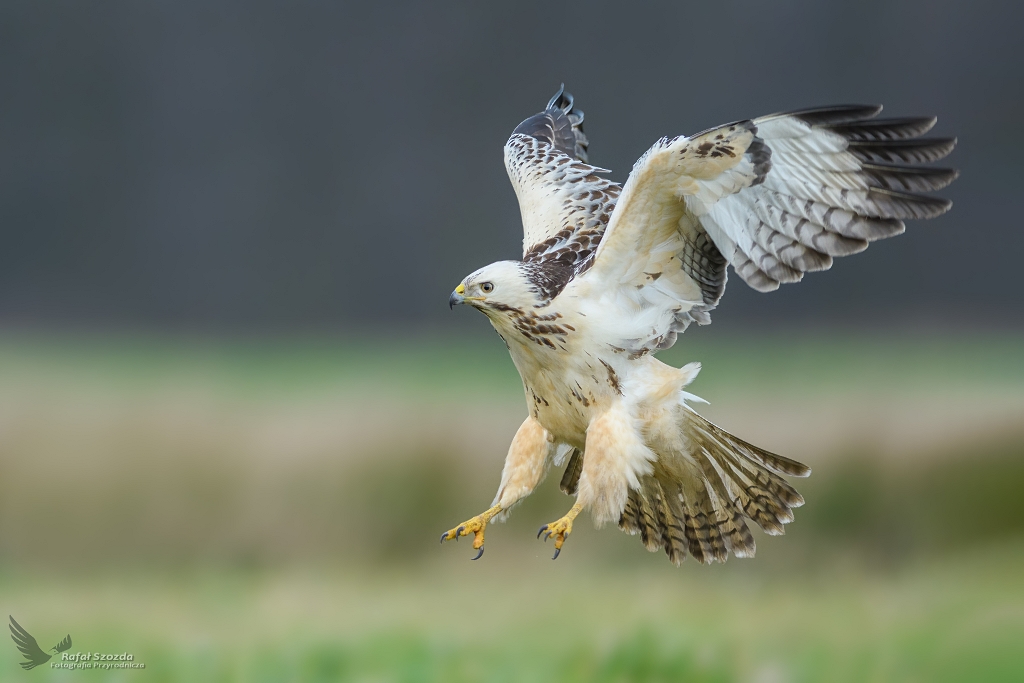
[775,197]
[64,645]
[27,645]
[564,202]
[560,124]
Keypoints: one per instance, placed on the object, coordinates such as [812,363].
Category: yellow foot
[560,529]
[474,526]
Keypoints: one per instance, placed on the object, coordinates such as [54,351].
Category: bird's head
[498,288]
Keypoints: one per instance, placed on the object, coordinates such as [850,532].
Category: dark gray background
[313,165]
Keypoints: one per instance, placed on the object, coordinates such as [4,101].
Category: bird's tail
[696,500]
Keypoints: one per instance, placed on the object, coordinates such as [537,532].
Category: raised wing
[565,204]
[838,180]
[28,646]
[776,197]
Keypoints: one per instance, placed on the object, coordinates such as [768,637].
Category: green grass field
[524,618]
[269,511]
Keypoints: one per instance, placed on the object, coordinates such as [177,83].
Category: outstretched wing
[564,202]
[63,645]
[776,197]
[27,645]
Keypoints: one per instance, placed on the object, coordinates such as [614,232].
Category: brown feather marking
[650,534]
[704,538]
[613,378]
[627,520]
[729,515]
[666,520]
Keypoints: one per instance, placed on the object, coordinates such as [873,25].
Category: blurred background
[236,413]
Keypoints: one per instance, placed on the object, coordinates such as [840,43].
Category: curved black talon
[458,532]
[557,550]
[444,537]
[479,554]
[542,530]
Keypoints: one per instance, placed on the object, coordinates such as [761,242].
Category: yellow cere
[461,289]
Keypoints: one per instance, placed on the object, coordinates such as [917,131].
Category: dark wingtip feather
[843,113]
[903,205]
[914,151]
[560,125]
[885,129]
[561,100]
[909,178]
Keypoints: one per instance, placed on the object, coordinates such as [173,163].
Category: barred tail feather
[647,513]
[696,501]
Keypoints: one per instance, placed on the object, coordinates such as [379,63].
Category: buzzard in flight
[612,273]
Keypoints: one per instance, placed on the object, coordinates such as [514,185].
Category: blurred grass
[442,365]
[269,510]
[147,451]
[958,620]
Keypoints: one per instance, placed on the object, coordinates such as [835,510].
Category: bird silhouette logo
[30,648]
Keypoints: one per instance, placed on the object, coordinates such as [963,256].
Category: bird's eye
[486,287]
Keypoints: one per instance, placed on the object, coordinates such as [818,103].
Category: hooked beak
[457,296]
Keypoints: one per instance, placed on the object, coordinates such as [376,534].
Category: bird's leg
[475,526]
[560,528]
[525,466]
[613,443]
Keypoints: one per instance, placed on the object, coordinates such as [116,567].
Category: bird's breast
[566,390]
[543,330]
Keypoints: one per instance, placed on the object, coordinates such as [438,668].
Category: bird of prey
[28,646]
[611,274]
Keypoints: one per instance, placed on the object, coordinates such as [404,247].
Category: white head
[498,289]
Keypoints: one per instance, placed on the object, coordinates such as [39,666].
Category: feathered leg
[528,459]
[615,457]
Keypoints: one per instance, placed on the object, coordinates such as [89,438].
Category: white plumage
[612,274]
